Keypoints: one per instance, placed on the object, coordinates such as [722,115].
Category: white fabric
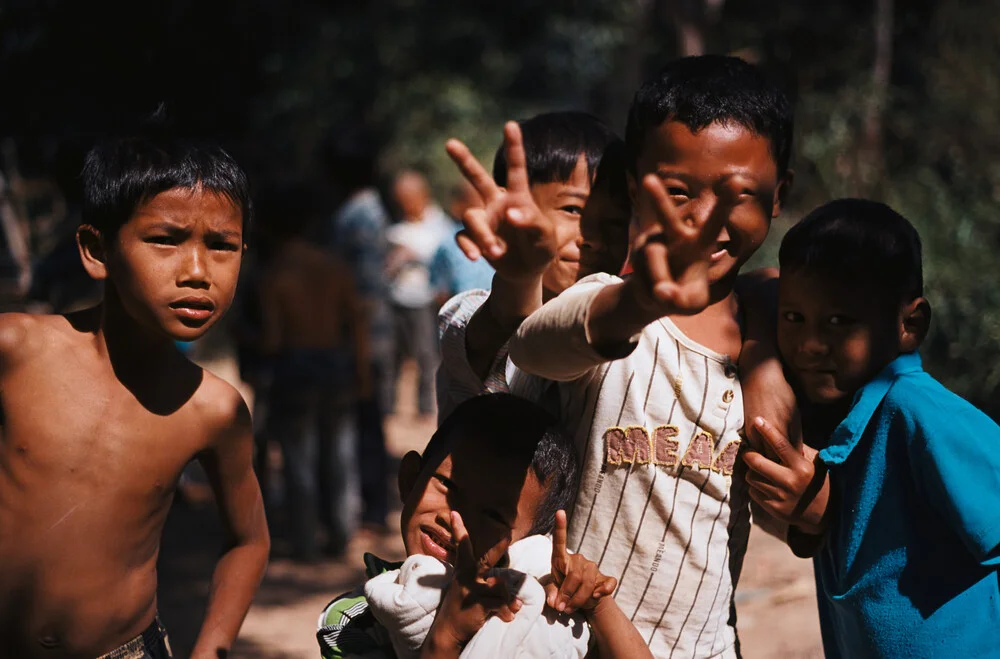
[658,506]
[411,287]
[405,601]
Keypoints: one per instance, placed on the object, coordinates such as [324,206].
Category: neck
[133,350]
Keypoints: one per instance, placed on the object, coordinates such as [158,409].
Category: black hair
[119,174]
[699,91]
[511,425]
[553,144]
[857,241]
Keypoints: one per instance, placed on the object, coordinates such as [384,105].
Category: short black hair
[857,241]
[699,91]
[512,424]
[121,173]
[553,144]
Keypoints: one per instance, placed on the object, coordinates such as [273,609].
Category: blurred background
[894,100]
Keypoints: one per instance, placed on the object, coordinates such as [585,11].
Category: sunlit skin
[496,494]
[412,195]
[834,338]
[720,169]
[564,202]
[101,414]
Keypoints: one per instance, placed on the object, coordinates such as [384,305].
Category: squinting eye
[677,192]
[747,192]
[225,247]
[574,210]
[161,240]
[792,317]
[840,320]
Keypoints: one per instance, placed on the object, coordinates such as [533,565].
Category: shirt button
[728,396]
[730,370]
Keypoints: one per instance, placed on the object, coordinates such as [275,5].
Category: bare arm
[616,636]
[228,463]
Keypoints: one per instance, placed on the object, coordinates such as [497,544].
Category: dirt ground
[775,601]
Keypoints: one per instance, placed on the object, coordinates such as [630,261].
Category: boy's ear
[916,322]
[92,251]
[781,192]
[409,472]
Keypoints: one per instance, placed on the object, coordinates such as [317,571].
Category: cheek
[751,223]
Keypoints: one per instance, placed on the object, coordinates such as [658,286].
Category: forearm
[555,342]
[234,583]
[440,644]
[492,325]
[615,634]
[616,315]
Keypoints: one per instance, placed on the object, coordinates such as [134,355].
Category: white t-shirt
[659,506]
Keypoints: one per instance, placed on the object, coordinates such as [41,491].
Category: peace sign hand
[576,582]
[796,488]
[672,255]
[475,592]
[510,232]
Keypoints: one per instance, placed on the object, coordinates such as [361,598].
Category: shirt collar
[375,566]
[847,435]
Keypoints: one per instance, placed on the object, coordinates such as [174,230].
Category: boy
[315,333]
[649,363]
[909,554]
[499,467]
[551,169]
[101,414]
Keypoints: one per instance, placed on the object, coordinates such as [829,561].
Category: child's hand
[474,593]
[794,490]
[671,257]
[517,239]
[576,582]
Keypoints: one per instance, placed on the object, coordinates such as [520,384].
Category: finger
[655,259]
[605,587]
[559,552]
[494,554]
[567,590]
[472,170]
[465,557]
[517,166]
[787,453]
[585,591]
[467,245]
[483,232]
[765,467]
[767,491]
[669,215]
[551,594]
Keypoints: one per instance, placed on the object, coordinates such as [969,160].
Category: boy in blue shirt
[908,550]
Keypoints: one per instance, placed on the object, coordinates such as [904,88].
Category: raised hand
[672,255]
[795,489]
[475,592]
[510,232]
[576,582]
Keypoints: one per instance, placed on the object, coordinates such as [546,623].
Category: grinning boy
[649,363]
[554,169]
[908,552]
[101,413]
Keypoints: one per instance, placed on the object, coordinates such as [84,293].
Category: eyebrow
[225,233]
[576,194]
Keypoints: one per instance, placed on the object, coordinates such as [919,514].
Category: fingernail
[561,606]
[495,251]
[515,215]
[759,422]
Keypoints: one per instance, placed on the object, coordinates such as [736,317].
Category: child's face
[563,202]
[834,338]
[722,169]
[604,230]
[496,495]
[175,263]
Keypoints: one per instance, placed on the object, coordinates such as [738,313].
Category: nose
[812,345]
[194,269]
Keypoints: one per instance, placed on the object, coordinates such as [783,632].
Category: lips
[721,253]
[435,544]
[197,309]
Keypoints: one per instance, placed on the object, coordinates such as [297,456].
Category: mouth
[435,544]
[196,309]
[722,250]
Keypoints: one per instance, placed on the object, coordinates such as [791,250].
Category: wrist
[510,302]
[442,641]
[617,314]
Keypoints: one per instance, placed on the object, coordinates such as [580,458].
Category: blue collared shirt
[910,563]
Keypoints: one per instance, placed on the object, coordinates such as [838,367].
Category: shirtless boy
[101,413]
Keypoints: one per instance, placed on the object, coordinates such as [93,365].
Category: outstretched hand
[795,489]
[510,232]
[576,582]
[475,592]
[671,256]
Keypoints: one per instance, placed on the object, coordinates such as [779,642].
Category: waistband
[150,644]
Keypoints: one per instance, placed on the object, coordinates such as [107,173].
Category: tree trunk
[872,160]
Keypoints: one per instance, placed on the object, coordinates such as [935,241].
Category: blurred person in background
[314,331]
[451,270]
[357,235]
[413,243]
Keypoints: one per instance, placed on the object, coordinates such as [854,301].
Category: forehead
[812,291]
[577,185]
[717,150]
[186,206]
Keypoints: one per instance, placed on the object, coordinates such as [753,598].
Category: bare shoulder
[22,334]
[221,410]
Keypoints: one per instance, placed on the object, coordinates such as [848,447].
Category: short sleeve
[955,452]
[456,380]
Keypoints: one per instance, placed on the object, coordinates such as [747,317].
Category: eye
[161,240]
[674,191]
[792,317]
[840,320]
[447,483]
[747,192]
[224,246]
[572,209]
